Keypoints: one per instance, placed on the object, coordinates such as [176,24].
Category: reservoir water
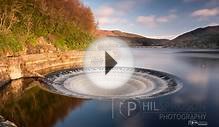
[26,103]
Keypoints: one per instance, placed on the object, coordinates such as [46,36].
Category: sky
[154,18]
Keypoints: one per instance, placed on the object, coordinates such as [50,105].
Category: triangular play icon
[109,63]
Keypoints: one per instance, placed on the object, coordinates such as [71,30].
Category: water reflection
[29,106]
[195,69]
[13,89]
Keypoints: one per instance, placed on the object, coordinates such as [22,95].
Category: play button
[104,58]
[109,62]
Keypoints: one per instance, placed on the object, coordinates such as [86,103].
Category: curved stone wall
[36,65]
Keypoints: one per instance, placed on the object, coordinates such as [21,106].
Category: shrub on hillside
[69,21]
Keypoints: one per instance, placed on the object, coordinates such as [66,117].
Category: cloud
[213,24]
[107,15]
[127,5]
[173,11]
[206,12]
[111,20]
[147,20]
[166,18]
[121,8]
[153,21]
[110,14]
[105,11]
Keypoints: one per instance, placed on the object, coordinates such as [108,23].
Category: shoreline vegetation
[47,26]
[33,28]
[38,26]
[39,34]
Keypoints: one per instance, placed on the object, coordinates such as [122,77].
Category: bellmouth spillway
[144,83]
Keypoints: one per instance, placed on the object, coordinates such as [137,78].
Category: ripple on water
[144,83]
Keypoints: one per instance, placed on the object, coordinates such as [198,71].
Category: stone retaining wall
[37,64]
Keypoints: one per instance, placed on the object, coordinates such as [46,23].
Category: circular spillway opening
[143,83]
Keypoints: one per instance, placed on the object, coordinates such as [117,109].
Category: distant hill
[207,37]
[132,39]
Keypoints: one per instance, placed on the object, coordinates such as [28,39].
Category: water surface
[26,104]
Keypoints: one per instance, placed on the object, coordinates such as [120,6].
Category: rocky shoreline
[6,123]
[35,65]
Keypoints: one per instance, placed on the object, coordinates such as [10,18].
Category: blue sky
[154,18]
